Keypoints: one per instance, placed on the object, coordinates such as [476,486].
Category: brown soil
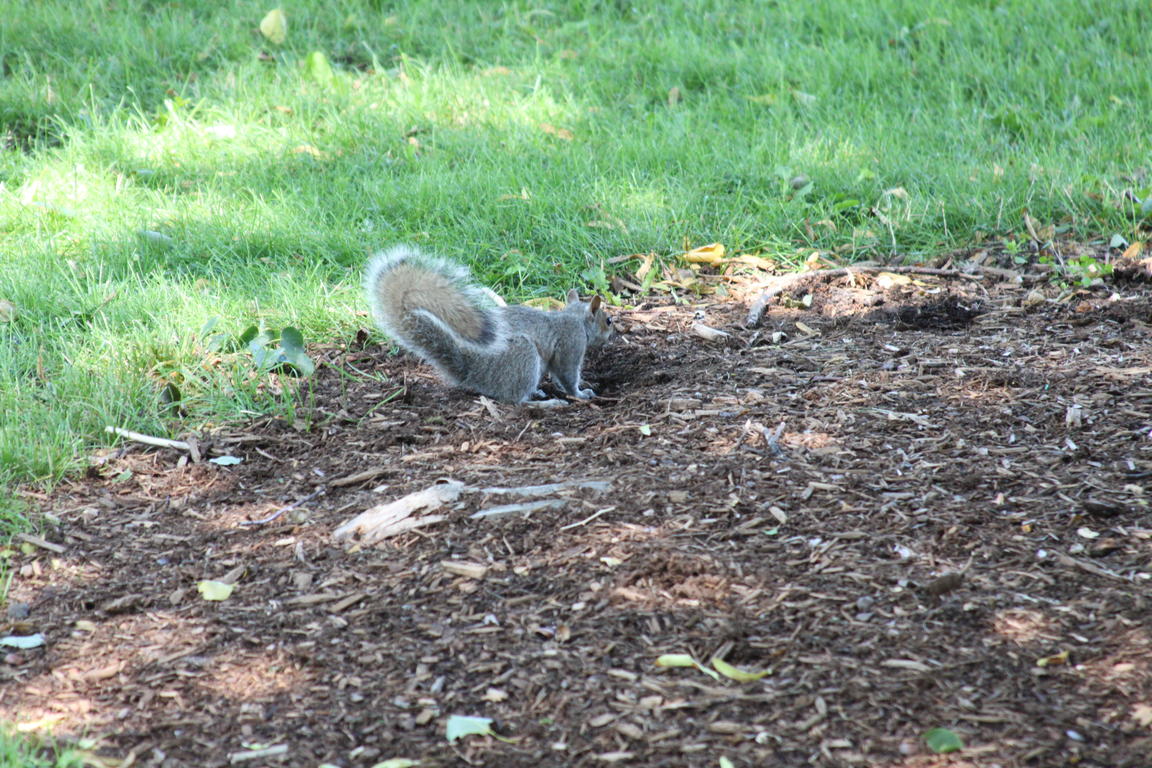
[799,505]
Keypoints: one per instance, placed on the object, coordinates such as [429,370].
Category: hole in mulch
[947,313]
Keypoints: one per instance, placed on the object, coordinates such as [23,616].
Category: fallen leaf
[463,725]
[274,26]
[891,279]
[684,660]
[1142,713]
[734,673]
[560,133]
[215,590]
[806,330]
[318,69]
[942,741]
[7,311]
[1055,660]
[712,254]
[22,642]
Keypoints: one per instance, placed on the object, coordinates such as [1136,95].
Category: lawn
[166,166]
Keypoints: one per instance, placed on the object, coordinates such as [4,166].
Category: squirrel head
[597,324]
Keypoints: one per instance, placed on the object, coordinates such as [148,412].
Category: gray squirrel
[433,309]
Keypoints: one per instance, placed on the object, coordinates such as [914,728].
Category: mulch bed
[918,503]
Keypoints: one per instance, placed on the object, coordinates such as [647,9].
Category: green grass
[18,751]
[921,126]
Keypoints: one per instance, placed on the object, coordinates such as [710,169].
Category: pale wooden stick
[161,442]
[386,520]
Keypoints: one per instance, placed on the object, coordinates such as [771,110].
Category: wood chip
[464,568]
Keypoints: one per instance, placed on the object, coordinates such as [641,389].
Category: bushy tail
[432,308]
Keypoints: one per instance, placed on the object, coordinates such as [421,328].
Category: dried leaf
[806,329]
[560,133]
[891,279]
[712,254]
[708,333]
[1055,660]
[1133,251]
[1142,714]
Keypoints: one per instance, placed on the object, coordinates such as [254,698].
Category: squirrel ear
[573,296]
[594,305]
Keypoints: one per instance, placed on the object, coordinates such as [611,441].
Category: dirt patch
[797,498]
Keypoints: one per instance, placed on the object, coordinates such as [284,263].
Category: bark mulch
[920,502]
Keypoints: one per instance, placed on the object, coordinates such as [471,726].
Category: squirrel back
[432,308]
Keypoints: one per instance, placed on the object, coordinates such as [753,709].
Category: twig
[783,283]
[161,442]
[385,520]
[36,541]
[587,520]
[523,508]
[282,510]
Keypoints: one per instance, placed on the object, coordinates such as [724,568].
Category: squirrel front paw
[585,394]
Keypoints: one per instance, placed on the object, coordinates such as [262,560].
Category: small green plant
[278,351]
[1087,270]
[1013,248]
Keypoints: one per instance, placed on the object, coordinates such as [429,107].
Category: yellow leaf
[1133,251]
[1054,660]
[712,254]
[739,675]
[274,26]
[806,329]
[756,262]
[215,590]
[890,279]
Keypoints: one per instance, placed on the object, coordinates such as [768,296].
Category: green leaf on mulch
[684,660]
[739,675]
[463,725]
[942,741]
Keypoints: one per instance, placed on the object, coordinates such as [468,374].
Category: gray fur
[431,308]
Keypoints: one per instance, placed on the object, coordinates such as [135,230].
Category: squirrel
[432,308]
